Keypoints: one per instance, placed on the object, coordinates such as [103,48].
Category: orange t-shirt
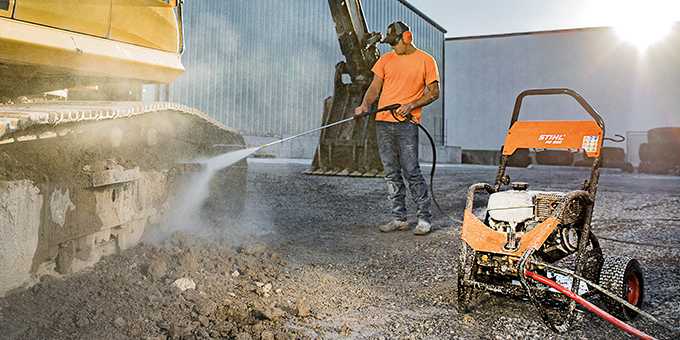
[404,80]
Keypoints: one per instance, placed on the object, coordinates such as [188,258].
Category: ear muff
[407,37]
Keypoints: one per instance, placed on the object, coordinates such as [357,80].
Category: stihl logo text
[551,139]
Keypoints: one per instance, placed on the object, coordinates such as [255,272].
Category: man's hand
[363,108]
[405,109]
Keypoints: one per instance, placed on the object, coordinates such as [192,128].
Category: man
[407,76]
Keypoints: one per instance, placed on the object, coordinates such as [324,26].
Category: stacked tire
[520,159]
[661,153]
[555,157]
[612,157]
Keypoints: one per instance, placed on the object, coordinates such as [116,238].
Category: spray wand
[361,115]
[229,158]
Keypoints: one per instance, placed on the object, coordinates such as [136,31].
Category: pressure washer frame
[479,241]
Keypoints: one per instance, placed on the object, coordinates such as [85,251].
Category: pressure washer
[516,245]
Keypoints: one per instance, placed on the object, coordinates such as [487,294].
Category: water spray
[195,194]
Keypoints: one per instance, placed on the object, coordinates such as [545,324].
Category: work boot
[422,228]
[394,225]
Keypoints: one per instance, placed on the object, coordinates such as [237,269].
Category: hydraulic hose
[591,307]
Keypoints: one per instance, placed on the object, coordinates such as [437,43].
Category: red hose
[591,307]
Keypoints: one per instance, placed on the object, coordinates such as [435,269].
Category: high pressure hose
[589,306]
[409,118]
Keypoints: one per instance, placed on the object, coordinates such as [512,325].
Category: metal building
[631,89]
[264,67]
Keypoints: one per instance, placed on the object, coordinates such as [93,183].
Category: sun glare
[643,23]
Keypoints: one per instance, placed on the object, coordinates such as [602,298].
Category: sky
[481,17]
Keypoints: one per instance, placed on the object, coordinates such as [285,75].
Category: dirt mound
[238,293]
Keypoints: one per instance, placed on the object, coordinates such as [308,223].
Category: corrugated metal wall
[265,66]
[261,67]
[633,91]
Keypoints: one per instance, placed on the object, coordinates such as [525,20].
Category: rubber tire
[664,135]
[613,277]
[644,152]
[628,168]
[612,157]
[555,157]
[586,162]
[661,153]
[647,167]
[465,268]
[659,158]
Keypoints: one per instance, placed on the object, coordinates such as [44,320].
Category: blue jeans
[398,147]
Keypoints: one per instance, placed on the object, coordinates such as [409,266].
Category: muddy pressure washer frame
[525,233]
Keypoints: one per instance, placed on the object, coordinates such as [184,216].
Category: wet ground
[307,261]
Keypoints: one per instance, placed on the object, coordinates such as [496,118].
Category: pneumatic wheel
[623,277]
[466,264]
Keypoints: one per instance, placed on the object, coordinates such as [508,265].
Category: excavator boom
[349,149]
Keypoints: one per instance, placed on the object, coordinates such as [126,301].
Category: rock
[267,288]
[119,322]
[156,269]
[345,330]
[244,336]
[184,284]
[303,309]
[269,313]
[163,325]
[240,312]
[235,274]
[204,321]
[192,296]
[205,307]
[187,261]
[267,335]
[274,313]
[82,321]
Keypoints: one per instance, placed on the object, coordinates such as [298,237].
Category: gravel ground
[307,261]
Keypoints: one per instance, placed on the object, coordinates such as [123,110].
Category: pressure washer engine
[524,238]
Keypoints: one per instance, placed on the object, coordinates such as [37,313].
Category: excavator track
[81,180]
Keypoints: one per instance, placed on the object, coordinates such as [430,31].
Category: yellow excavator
[83,177]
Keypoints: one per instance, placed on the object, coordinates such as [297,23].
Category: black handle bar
[555,91]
